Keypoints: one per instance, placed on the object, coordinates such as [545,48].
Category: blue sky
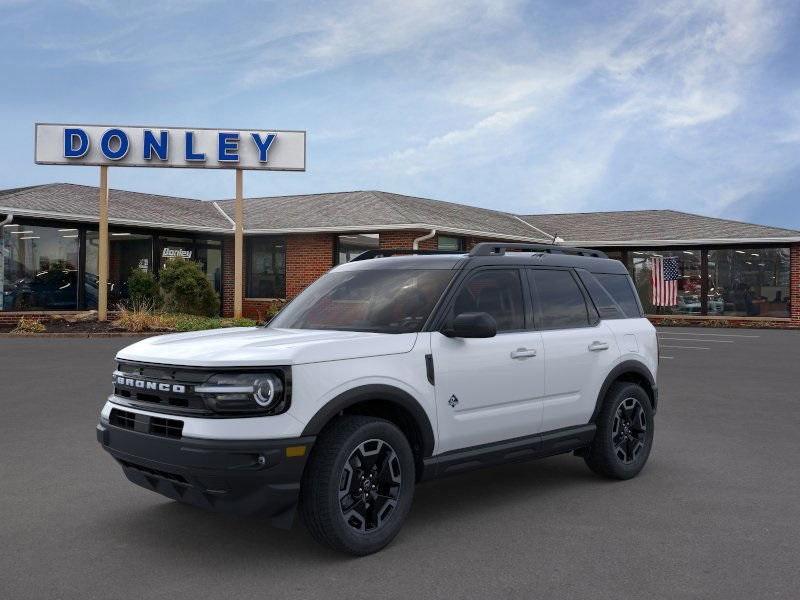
[530,107]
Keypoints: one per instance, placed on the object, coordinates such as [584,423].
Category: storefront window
[128,252]
[451,243]
[176,247]
[39,268]
[266,267]
[209,255]
[668,281]
[350,246]
[748,282]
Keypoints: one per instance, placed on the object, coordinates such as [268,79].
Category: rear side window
[621,290]
[560,300]
[607,307]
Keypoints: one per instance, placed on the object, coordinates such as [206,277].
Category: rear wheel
[358,486]
[624,433]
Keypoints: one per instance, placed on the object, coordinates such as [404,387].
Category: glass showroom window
[266,267]
[128,252]
[350,246]
[748,282]
[39,268]
[451,243]
[686,298]
[209,255]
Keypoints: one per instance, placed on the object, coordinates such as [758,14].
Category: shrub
[26,325]
[141,317]
[186,290]
[143,289]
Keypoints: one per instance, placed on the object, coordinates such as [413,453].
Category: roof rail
[499,248]
[385,252]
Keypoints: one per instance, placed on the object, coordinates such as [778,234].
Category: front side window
[266,267]
[497,292]
[39,269]
[561,302]
[373,300]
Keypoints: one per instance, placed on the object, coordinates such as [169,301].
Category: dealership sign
[193,148]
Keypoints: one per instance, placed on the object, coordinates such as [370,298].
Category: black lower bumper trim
[245,477]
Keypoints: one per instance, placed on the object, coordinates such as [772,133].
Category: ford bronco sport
[387,371]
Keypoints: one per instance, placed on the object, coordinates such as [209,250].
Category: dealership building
[741,273]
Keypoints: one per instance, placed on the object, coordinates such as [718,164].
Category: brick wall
[405,239]
[227,277]
[308,256]
[794,284]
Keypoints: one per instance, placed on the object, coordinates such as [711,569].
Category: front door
[489,389]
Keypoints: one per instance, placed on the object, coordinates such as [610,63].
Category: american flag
[665,280]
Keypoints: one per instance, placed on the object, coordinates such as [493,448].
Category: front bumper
[244,477]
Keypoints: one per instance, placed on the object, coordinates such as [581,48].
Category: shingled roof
[374,210]
[642,227]
[366,211]
[79,203]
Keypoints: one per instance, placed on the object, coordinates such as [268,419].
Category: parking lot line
[671,339]
[669,357]
[737,335]
[688,347]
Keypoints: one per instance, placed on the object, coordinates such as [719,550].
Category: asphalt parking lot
[715,514]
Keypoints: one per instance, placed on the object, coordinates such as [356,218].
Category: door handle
[595,346]
[523,353]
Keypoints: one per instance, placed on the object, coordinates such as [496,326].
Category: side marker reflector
[293,451]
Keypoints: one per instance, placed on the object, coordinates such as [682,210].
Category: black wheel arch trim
[365,393]
[623,368]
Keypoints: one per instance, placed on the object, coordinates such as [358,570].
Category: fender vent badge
[453,401]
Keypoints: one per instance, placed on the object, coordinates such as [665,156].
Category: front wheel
[624,435]
[358,486]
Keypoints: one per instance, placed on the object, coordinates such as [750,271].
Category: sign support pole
[238,255]
[102,258]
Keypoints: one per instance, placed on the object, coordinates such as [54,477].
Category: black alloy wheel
[624,436]
[358,485]
[370,485]
[629,432]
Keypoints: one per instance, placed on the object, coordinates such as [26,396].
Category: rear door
[490,389]
[579,348]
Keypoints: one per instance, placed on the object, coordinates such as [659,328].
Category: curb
[80,335]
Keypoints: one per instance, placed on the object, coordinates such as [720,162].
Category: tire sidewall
[375,540]
[619,394]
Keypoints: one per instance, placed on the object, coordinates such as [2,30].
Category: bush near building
[143,289]
[186,289]
[26,325]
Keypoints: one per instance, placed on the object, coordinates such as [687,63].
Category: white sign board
[189,148]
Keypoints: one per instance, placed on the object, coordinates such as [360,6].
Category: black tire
[624,437]
[341,506]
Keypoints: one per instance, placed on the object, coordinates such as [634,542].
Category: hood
[260,346]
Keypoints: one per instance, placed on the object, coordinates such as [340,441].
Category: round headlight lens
[265,391]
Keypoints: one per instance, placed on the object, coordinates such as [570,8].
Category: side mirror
[472,325]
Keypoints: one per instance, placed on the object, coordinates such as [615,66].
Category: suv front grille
[161,386]
[169,428]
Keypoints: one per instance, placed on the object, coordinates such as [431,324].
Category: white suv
[387,371]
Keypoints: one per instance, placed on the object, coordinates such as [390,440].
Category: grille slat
[169,428]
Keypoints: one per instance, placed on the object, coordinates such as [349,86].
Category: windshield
[379,301]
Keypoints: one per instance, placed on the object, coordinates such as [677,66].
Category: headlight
[245,392]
